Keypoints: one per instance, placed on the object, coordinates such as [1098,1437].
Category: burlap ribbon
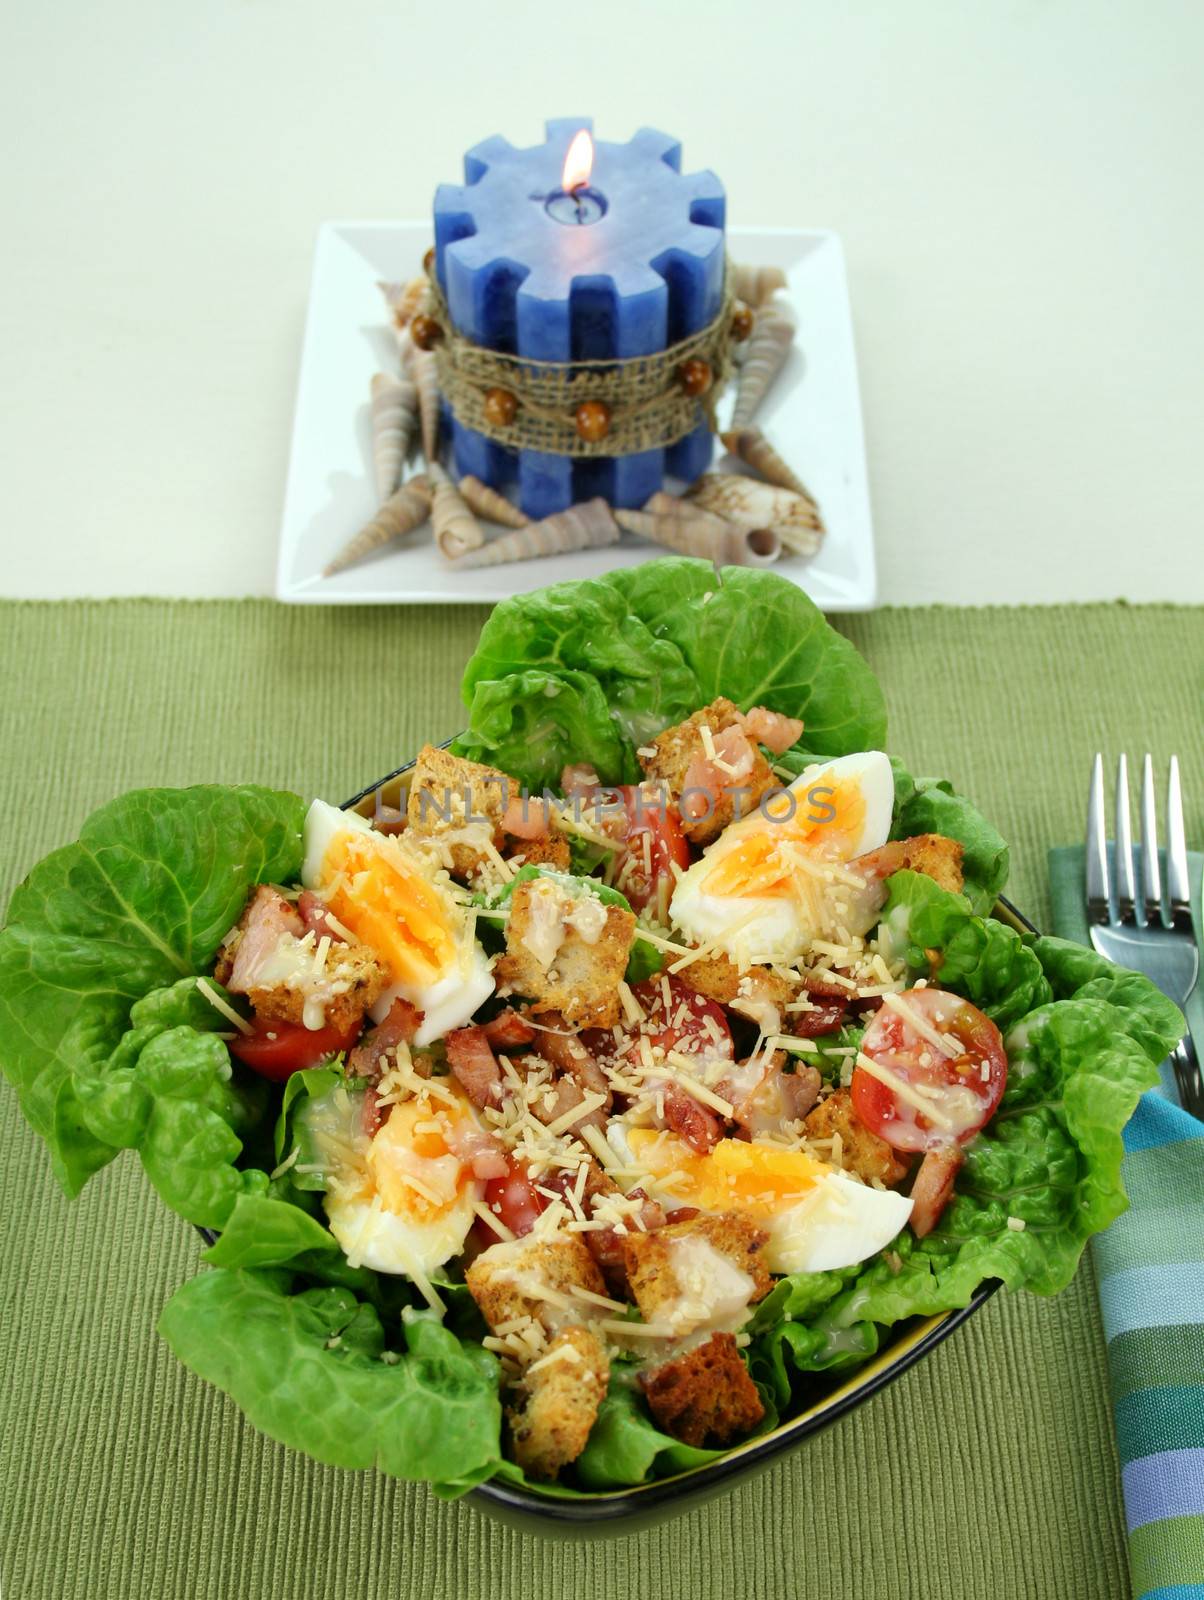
[648,406]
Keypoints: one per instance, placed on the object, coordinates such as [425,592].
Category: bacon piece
[606,1244]
[477,1149]
[770,728]
[933,1188]
[774,1097]
[314,913]
[373,1115]
[399,1027]
[508,1030]
[826,1018]
[568,1093]
[578,778]
[527,818]
[266,919]
[692,1122]
[474,1066]
[564,1050]
[706,779]
[815,985]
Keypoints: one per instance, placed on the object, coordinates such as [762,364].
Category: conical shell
[754,285]
[694,532]
[664,504]
[752,505]
[457,531]
[426,380]
[768,346]
[752,447]
[585,527]
[404,299]
[401,514]
[394,413]
[491,505]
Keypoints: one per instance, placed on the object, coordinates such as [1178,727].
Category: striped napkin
[1150,1266]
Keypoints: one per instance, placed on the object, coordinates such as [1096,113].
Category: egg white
[383,1240]
[766,929]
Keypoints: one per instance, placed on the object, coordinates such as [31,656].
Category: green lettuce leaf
[264,1232]
[626,1447]
[532,724]
[931,805]
[139,902]
[314,1370]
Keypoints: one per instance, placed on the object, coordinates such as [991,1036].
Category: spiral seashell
[394,407]
[491,505]
[401,514]
[768,347]
[421,367]
[404,299]
[588,526]
[457,531]
[694,532]
[753,448]
[754,285]
[750,504]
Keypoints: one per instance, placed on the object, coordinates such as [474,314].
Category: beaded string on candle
[582,409]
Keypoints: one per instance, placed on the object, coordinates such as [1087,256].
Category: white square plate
[812,414]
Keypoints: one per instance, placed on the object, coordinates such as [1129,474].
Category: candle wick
[579,202]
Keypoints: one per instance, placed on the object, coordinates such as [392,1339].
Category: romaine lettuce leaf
[532,724]
[625,1446]
[315,1371]
[140,901]
[931,805]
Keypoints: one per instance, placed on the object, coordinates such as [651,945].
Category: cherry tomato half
[652,816]
[514,1200]
[962,1089]
[278,1049]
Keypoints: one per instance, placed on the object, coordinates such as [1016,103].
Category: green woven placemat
[989,1470]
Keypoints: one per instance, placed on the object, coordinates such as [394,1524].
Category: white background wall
[1018,185]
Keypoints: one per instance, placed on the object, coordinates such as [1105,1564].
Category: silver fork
[1149,933]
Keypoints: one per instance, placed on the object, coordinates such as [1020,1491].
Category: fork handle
[1188,1079]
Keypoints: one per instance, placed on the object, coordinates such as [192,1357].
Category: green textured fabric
[989,1469]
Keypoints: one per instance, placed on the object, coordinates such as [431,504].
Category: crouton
[531,1277]
[564,1389]
[459,801]
[348,983]
[550,851]
[565,952]
[861,1150]
[700,1273]
[682,761]
[932,854]
[704,1397]
[758,993]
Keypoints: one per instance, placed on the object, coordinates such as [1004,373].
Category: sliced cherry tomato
[690,1023]
[514,1200]
[278,1049]
[963,1089]
[643,869]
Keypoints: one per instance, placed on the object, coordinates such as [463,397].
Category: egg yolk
[411,1169]
[827,820]
[390,906]
[735,1175]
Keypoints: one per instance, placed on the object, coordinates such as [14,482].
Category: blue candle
[623,266]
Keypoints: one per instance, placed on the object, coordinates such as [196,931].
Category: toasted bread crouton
[758,993]
[531,1277]
[699,1273]
[706,1396]
[550,851]
[564,1389]
[861,1150]
[565,953]
[932,854]
[338,989]
[682,761]
[460,802]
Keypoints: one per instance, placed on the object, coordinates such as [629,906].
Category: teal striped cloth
[1150,1266]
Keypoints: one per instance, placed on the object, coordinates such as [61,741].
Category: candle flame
[578,163]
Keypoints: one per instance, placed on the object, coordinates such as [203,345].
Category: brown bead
[501,407]
[428,260]
[695,377]
[742,322]
[593,420]
[425,332]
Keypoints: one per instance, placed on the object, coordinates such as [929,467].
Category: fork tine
[1097,846]
[1177,886]
[1126,884]
[1151,876]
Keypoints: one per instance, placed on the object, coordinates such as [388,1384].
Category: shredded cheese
[227,1011]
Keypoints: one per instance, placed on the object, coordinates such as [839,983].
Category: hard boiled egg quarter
[817,1217]
[773,881]
[392,902]
[401,1201]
